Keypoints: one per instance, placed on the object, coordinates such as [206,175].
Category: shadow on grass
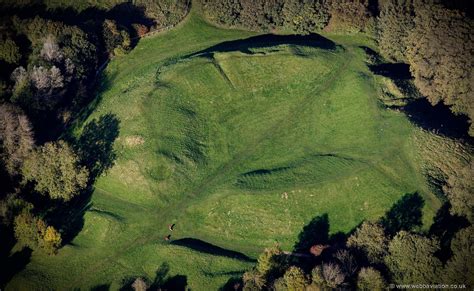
[233,284]
[95,148]
[205,247]
[316,232]
[162,281]
[405,214]
[436,118]
[95,145]
[11,265]
[101,287]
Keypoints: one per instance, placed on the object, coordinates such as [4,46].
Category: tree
[460,191]
[269,260]
[139,285]
[332,274]
[9,51]
[32,232]
[347,262]
[370,279]
[351,16]
[395,22]
[440,53]
[16,138]
[412,259]
[305,16]
[51,240]
[460,268]
[51,51]
[295,279]
[26,231]
[54,169]
[253,280]
[370,238]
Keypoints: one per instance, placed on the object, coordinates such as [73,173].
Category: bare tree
[348,262]
[46,80]
[139,285]
[51,50]
[333,275]
[16,138]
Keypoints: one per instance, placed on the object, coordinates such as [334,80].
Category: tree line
[434,37]
[49,61]
[391,250]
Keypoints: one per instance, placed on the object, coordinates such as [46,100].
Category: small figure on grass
[171,226]
[168,237]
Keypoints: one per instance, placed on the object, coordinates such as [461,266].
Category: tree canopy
[55,171]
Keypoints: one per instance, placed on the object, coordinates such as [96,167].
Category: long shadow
[205,247]
[13,264]
[398,71]
[316,232]
[405,214]
[233,284]
[95,145]
[268,40]
[162,281]
[437,118]
[95,148]
[445,226]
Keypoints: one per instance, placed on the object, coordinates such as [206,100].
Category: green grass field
[240,149]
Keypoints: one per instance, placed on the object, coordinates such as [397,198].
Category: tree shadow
[69,217]
[13,264]
[405,214]
[205,247]
[101,287]
[445,226]
[397,71]
[162,280]
[233,284]
[95,145]
[437,118]
[316,232]
[175,283]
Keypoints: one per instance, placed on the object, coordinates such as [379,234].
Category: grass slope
[240,149]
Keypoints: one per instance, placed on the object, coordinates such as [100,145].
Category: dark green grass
[240,150]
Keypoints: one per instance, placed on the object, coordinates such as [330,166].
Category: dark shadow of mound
[438,119]
[205,247]
[268,40]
